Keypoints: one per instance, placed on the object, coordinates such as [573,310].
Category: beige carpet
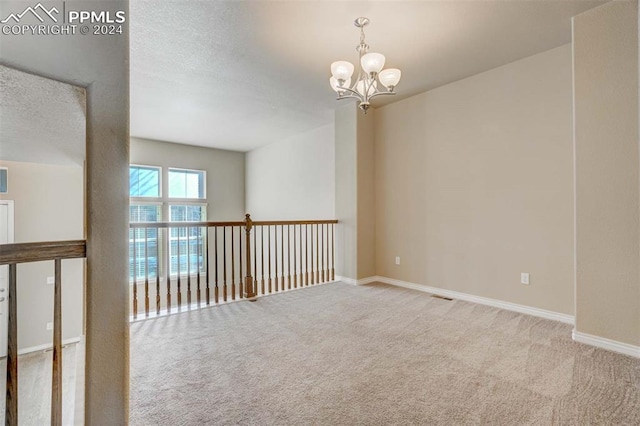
[342,355]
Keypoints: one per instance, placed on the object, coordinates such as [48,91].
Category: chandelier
[370,73]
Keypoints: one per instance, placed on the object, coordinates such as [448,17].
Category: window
[4,180]
[186,184]
[147,252]
[187,244]
[144,181]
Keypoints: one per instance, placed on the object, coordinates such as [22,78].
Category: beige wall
[607,163]
[294,178]
[474,184]
[225,172]
[48,206]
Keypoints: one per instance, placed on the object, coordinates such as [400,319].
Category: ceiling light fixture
[370,73]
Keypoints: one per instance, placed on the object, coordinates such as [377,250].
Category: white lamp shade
[342,70]
[372,62]
[389,77]
[360,88]
[335,86]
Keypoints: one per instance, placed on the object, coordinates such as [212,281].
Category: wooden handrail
[37,252]
[298,252]
[292,222]
[135,225]
[12,255]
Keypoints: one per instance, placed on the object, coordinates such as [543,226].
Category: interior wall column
[355,233]
[607,173]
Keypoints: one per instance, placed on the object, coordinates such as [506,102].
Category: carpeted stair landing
[338,354]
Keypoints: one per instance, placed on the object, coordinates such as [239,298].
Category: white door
[6,236]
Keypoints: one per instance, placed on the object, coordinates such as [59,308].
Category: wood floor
[34,387]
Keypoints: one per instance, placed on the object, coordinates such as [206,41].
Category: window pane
[4,181]
[177,185]
[187,243]
[144,213]
[193,185]
[147,255]
[186,184]
[144,181]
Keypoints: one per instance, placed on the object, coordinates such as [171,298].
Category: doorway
[6,237]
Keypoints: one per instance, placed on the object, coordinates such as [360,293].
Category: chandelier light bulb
[336,86]
[342,70]
[372,63]
[372,87]
[390,77]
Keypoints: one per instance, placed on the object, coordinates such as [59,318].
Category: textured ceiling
[41,120]
[238,75]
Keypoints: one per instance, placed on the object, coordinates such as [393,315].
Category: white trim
[574,163]
[367,281]
[608,344]
[10,219]
[10,239]
[528,310]
[48,346]
[346,280]
[600,342]
[352,281]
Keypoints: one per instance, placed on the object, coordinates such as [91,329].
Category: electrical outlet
[524,278]
[51,280]
[49,326]
[397,260]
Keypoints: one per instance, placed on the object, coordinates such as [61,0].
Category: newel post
[249,292]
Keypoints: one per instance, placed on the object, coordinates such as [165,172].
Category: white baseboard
[366,281]
[528,310]
[48,346]
[356,282]
[346,280]
[600,342]
[611,345]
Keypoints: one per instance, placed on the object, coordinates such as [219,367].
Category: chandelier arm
[367,85]
[349,97]
[381,93]
[357,94]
